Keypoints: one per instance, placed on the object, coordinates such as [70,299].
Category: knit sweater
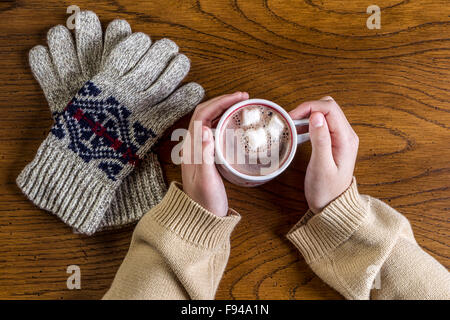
[179,250]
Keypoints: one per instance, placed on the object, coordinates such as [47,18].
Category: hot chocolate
[256,139]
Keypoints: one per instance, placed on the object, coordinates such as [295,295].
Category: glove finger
[116,31]
[152,64]
[178,104]
[171,77]
[88,35]
[126,54]
[64,57]
[45,73]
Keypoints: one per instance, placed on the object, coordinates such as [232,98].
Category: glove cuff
[58,181]
[139,192]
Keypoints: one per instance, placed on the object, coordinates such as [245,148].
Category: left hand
[202,182]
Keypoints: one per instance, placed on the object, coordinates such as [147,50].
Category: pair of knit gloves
[111,98]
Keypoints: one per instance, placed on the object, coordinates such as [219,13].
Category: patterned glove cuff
[60,182]
[142,190]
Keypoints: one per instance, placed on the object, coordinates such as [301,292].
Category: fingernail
[317,120]
[205,135]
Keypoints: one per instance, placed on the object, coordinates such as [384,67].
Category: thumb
[320,140]
[207,149]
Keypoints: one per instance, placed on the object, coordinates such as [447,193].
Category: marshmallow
[251,116]
[275,128]
[256,138]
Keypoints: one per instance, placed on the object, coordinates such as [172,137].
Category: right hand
[334,150]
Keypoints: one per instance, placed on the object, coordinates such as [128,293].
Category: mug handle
[304,136]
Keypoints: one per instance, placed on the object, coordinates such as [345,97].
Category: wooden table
[392,83]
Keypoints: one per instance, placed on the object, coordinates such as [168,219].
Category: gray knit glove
[145,186]
[109,124]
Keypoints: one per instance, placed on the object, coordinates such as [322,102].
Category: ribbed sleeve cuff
[185,217]
[58,182]
[317,235]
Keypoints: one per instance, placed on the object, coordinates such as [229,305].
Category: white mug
[241,179]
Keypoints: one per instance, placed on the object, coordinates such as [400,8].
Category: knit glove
[110,123]
[145,186]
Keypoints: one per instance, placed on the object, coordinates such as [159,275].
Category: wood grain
[392,84]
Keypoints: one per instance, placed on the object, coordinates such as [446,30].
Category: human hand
[201,181]
[334,150]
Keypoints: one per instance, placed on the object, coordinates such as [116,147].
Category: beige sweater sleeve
[358,241]
[178,250]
